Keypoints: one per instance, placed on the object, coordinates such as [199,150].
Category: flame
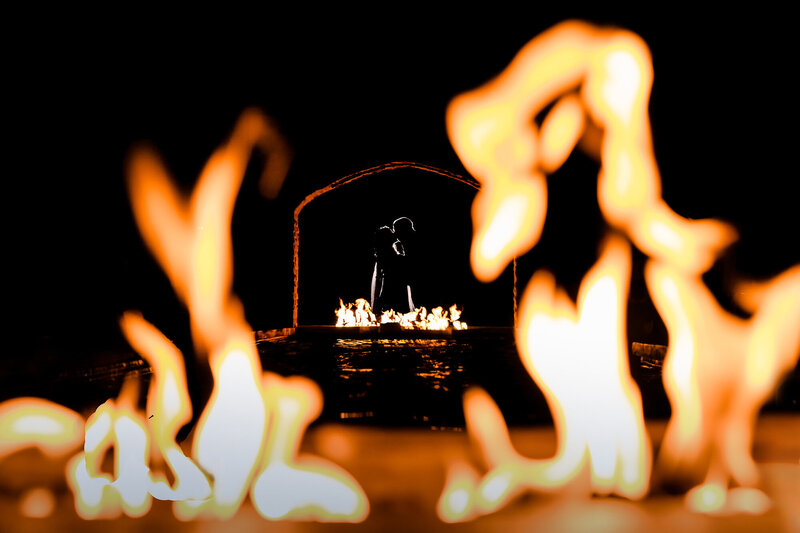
[191,240]
[605,427]
[493,131]
[169,403]
[718,372]
[359,314]
[569,351]
[33,422]
[605,76]
[307,487]
[97,494]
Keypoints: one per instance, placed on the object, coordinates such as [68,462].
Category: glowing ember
[359,314]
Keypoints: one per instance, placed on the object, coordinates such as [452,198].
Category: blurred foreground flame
[599,80]
[34,422]
[598,75]
[718,372]
[577,356]
[253,424]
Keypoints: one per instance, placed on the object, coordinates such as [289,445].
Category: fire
[169,397]
[718,372]
[603,77]
[194,245]
[355,315]
[253,424]
[359,314]
[97,494]
[568,351]
[307,487]
[33,422]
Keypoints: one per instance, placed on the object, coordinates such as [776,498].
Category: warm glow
[304,487]
[578,358]
[719,369]
[718,372]
[493,131]
[359,314]
[191,240]
[170,406]
[37,503]
[33,422]
[97,494]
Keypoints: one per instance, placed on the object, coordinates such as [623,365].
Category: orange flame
[718,372]
[605,75]
[33,422]
[568,352]
[97,495]
[493,131]
[355,315]
[308,487]
[360,314]
[193,244]
[168,401]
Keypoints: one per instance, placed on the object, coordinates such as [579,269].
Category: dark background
[350,90]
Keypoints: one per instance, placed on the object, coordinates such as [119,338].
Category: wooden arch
[470,182]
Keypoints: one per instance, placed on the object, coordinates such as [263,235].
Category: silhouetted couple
[392,276]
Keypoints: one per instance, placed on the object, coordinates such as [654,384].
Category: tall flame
[718,372]
[603,77]
[577,356]
[192,241]
[579,359]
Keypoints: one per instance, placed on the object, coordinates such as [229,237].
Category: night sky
[349,95]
